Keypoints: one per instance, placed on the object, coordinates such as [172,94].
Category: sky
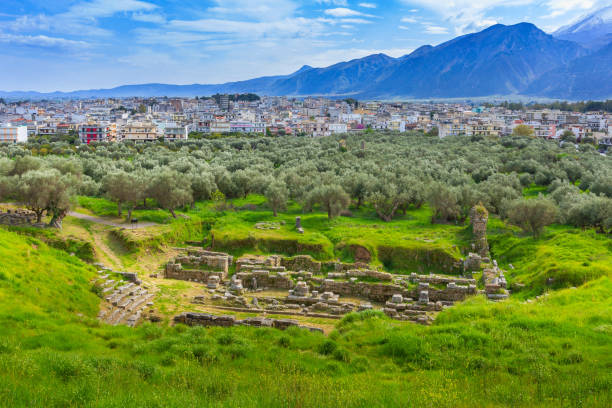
[49,45]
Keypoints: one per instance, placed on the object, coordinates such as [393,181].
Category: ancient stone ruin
[479,217]
[198,265]
[323,289]
[126,300]
[207,320]
[19,217]
[492,276]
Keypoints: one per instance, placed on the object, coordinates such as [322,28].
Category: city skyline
[72,45]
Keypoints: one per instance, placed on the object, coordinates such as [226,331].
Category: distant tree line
[587,106]
[246,97]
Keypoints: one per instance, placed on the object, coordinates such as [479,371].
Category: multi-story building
[247,127]
[93,132]
[13,134]
[173,131]
[336,128]
[224,102]
[139,132]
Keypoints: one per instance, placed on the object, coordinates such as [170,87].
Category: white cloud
[355,21]
[470,15]
[408,20]
[368,5]
[41,41]
[149,18]
[434,29]
[560,7]
[80,19]
[107,8]
[333,2]
[259,10]
[345,12]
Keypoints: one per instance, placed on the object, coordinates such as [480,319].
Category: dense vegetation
[399,196]
[392,173]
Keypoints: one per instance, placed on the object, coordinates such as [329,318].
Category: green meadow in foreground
[555,351]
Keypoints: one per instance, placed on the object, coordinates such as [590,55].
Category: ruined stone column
[479,217]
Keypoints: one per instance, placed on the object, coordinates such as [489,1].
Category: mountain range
[502,60]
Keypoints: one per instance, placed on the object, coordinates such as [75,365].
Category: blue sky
[49,45]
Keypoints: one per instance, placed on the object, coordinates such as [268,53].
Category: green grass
[408,243]
[562,257]
[106,208]
[554,352]
[534,191]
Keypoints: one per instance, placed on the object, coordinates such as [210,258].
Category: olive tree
[386,199]
[359,185]
[444,202]
[523,130]
[202,186]
[47,190]
[533,215]
[332,198]
[277,196]
[34,189]
[124,188]
[171,190]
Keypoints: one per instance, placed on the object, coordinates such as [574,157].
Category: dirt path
[100,220]
[104,221]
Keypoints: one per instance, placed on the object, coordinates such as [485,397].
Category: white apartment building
[247,127]
[13,134]
[173,131]
[338,128]
[139,132]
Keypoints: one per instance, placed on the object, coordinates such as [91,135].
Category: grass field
[53,352]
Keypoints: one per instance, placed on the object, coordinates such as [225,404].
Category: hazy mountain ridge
[588,77]
[500,60]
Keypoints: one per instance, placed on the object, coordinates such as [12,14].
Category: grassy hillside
[556,351]
[408,243]
[562,257]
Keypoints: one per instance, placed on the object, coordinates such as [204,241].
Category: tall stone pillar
[479,217]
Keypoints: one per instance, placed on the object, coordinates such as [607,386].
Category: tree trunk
[119,209]
[358,202]
[57,218]
[129,216]
[144,202]
[274,212]
[39,214]
[172,212]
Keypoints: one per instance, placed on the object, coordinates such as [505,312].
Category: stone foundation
[176,271]
[257,279]
[209,320]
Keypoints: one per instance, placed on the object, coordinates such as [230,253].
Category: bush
[327,347]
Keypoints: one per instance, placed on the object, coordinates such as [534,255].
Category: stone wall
[264,279]
[208,320]
[452,292]
[206,260]
[301,263]
[175,271]
[17,217]
[258,262]
[377,292]
[440,280]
